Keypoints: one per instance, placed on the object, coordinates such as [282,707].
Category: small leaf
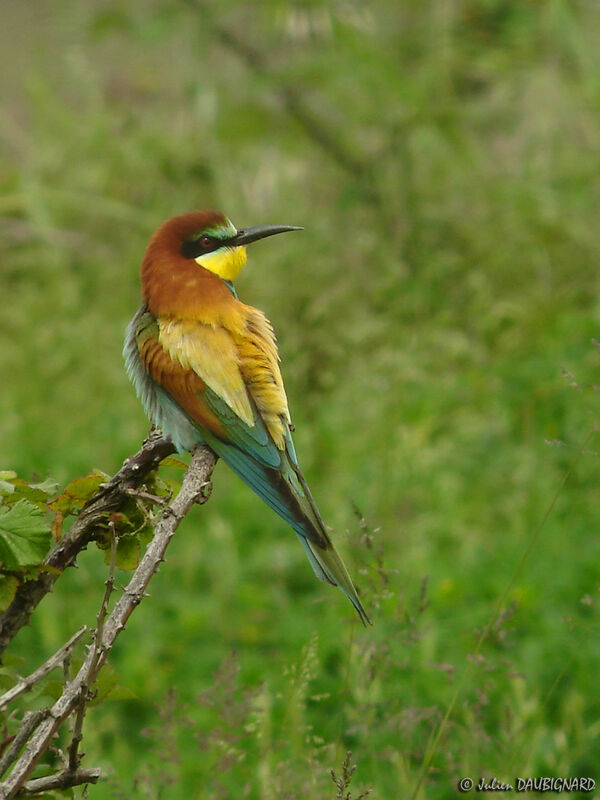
[34,492]
[107,685]
[169,461]
[7,477]
[172,487]
[128,553]
[7,683]
[106,681]
[126,521]
[49,486]
[37,493]
[9,677]
[122,693]
[74,667]
[146,533]
[160,487]
[24,535]
[52,688]
[78,492]
[8,587]
[13,659]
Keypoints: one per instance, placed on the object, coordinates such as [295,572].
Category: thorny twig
[30,721]
[62,780]
[74,758]
[41,731]
[26,684]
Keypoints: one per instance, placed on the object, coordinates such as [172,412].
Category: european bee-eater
[206,369]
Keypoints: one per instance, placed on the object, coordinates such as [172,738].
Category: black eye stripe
[204,244]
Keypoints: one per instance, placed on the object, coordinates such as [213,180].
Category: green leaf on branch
[52,688]
[169,461]
[36,493]
[24,536]
[162,487]
[6,478]
[78,492]
[128,553]
[132,526]
[107,686]
[48,486]
[8,587]
[8,678]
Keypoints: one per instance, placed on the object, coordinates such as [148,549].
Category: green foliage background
[435,321]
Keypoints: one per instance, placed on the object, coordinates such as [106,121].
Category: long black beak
[248,235]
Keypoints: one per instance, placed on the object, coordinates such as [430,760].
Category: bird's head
[211,240]
[184,252]
[218,246]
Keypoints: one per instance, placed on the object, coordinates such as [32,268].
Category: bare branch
[25,684]
[110,497]
[193,489]
[62,780]
[74,758]
[31,719]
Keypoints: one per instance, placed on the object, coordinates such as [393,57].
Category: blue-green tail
[286,492]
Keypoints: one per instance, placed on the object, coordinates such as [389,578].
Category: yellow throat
[226,262]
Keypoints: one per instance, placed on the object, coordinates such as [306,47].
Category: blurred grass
[426,318]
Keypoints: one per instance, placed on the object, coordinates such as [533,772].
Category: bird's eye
[204,243]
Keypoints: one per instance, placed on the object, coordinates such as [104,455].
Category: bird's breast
[180,288]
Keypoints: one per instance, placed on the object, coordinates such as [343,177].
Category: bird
[206,368]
